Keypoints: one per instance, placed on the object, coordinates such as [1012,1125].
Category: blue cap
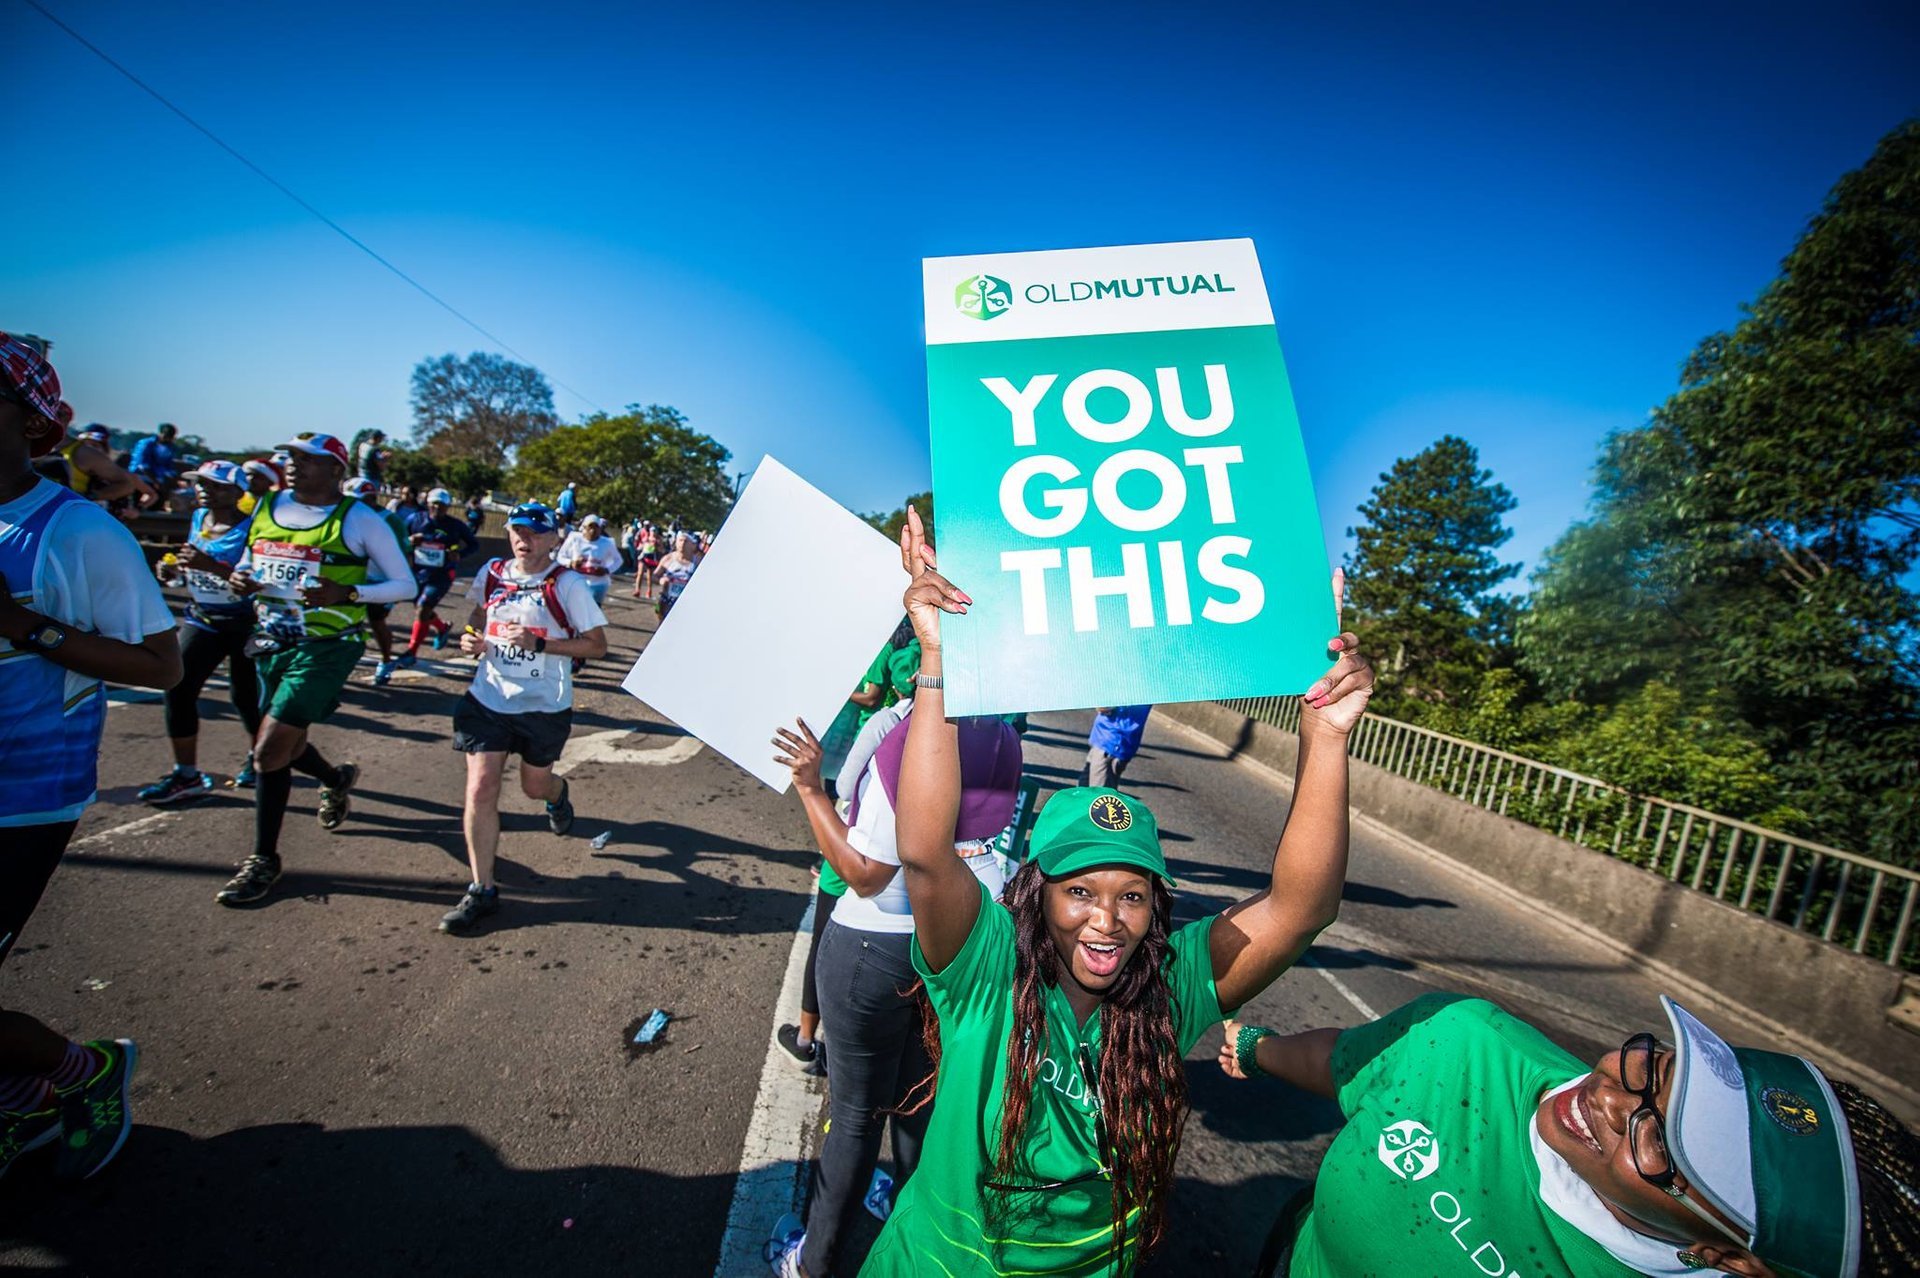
[535,515]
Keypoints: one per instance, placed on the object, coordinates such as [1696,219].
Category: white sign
[779,622]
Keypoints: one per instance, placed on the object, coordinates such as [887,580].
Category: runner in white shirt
[531,618]
[594,555]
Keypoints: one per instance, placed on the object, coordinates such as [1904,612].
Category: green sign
[1120,481]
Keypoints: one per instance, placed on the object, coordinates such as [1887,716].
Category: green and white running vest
[286,560]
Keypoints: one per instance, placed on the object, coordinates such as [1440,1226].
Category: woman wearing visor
[1474,1144]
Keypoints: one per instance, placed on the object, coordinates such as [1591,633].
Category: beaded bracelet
[1246,1047]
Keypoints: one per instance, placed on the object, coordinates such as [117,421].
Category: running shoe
[335,800]
[808,1057]
[560,815]
[406,660]
[256,878]
[24,1133]
[781,1251]
[440,637]
[245,778]
[879,1199]
[383,674]
[175,786]
[477,904]
[94,1118]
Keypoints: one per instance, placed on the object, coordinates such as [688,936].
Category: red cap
[315,444]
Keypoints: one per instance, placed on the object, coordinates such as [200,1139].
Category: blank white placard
[779,622]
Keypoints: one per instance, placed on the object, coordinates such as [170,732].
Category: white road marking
[130,827]
[1360,1005]
[604,747]
[773,1161]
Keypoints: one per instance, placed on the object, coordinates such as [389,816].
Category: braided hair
[1886,1154]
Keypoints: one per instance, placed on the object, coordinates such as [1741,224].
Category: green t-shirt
[1434,1172]
[831,883]
[939,1224]
[877,675]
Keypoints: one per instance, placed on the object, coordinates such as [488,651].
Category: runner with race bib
[531,620]
[314,560]
[218,623]
[592,554]
[437,541]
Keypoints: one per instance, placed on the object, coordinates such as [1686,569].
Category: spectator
[373,454]
[155,459]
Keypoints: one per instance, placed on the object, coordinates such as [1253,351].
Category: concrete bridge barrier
[1838,1003]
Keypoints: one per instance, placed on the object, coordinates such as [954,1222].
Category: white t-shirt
[601,552]
[515,680]
[872,835]
[366,532]
[89,573]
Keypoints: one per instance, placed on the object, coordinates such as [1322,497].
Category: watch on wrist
[44,637]
[539,643]
[928,681]
[353,594]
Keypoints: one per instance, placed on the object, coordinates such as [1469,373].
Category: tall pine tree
[1423,570]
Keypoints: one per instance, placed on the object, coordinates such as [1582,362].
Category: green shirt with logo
[941,1223]
[1434,1173]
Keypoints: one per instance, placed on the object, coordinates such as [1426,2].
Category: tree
[409,468]
[644,462]
[483,407]
[470,478]
[1422,570]
[891,524]
[1751,545]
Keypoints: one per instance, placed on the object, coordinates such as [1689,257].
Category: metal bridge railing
[1866,905]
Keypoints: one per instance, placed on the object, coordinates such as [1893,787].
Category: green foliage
[644,462]
[1750,546]
[469,477]
[407,467]
[1422,571]
[891,524]
[482,407]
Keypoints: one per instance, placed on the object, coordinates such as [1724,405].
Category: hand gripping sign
[1119,480]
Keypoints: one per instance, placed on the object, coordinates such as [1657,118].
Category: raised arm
[944,893]
[864,875]
[1257,939]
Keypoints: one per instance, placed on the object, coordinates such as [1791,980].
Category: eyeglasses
[1647,1132]
[1090,1078]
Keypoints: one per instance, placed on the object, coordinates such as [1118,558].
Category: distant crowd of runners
[1007,994]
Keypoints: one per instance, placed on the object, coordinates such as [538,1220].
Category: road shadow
[297,1199]
[1373,894]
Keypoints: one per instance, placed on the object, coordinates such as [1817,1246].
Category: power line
[282,187]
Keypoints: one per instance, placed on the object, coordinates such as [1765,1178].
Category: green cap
[1089,826]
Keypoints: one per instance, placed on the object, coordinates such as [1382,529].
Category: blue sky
[1509,223]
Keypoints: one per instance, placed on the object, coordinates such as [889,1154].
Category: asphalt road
[327,1085]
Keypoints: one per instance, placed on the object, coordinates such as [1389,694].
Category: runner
[1063,1015]
[476,516]
[216,629]
[1113,742]
[673,573]
[263,477]
[91,471]
[647,546]
[437,542]
[529,617]
[315,559]
[371,459]
[566,504]
[379,615]
[77,605]
[592,554]
[1659,1160]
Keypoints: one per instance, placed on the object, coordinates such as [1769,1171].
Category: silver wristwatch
[928,681]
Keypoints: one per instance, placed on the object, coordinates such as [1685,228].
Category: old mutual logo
[983,296]
[1410,1150]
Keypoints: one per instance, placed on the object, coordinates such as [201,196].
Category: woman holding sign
[1064,1014]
